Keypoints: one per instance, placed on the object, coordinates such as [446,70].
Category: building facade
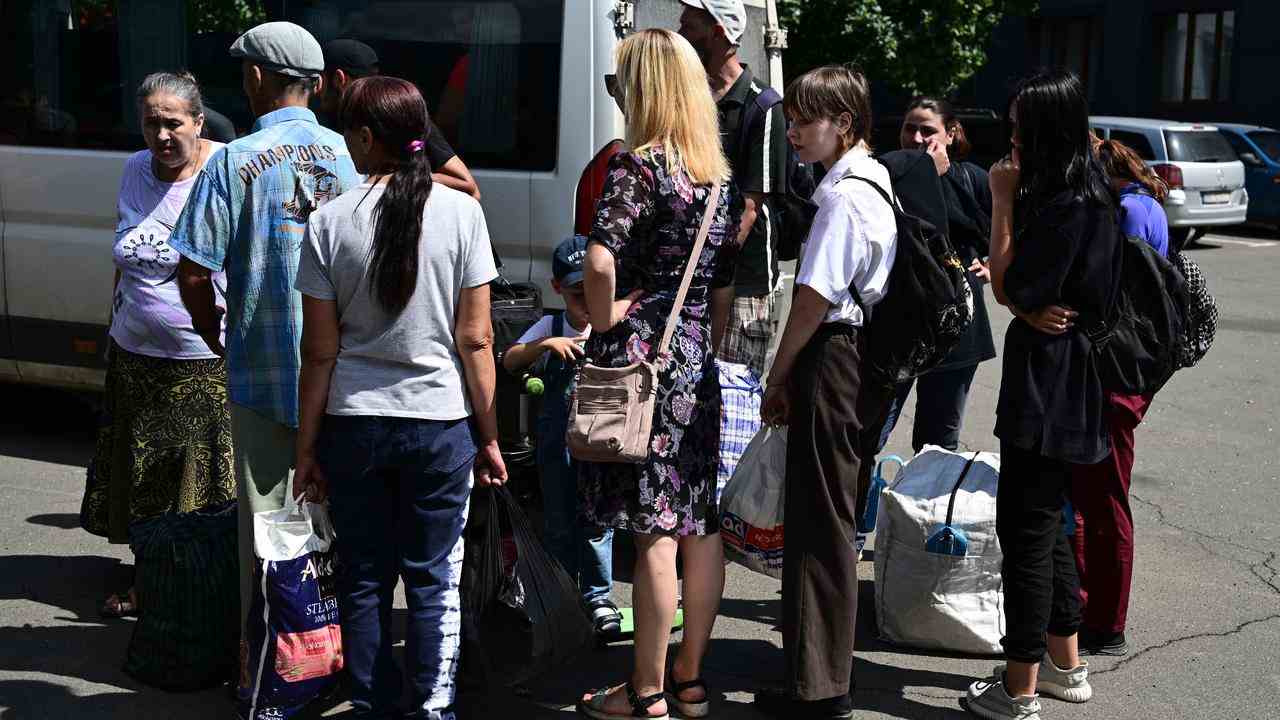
[1192,60]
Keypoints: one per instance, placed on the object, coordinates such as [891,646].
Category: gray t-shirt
[405,366]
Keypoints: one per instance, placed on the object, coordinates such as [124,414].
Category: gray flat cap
[281,47]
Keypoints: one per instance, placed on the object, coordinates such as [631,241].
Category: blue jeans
[940,401]
[585,552]
[398,493]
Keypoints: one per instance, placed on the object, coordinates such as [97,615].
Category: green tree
[920,46]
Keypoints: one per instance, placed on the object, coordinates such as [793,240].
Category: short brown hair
[829,91]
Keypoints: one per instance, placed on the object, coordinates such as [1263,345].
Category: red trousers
[1104,522]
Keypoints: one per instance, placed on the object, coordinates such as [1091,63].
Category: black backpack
[795,204]
[1137,347]
[928,305]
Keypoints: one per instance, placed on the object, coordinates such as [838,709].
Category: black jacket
[960,203]
[1051,399]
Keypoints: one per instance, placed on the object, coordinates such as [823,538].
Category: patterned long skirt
[164,445]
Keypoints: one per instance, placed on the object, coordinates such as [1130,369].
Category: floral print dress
[648,217]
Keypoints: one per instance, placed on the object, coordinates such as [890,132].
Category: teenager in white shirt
[818,388]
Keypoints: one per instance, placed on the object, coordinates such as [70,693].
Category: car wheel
[1178,237]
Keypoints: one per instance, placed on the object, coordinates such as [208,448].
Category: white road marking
[1244,243]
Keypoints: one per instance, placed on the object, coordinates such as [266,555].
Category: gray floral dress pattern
[648,218]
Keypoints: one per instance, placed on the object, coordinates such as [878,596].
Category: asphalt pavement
[1204,626]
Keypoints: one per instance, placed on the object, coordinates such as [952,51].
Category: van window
[1198,146]
[490,69]
[1136,141]
[74,73]
[1268,141]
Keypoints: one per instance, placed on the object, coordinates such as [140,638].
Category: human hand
[938,151]
[1051,320]
[1004,175]
[981,270]
[623,306]
[775,409]
[212,336]
[308,480]
[490,470]
[567,349]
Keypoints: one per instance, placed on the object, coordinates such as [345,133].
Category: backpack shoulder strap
[897,210]
[557,324]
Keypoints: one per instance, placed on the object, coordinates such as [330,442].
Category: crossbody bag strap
[713,201]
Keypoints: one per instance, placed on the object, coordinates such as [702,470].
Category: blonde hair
[668,103]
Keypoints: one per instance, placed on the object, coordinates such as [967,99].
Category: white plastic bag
[292,531]
[751,508]
[931,600]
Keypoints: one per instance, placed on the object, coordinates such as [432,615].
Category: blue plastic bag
[867,521]
[293,648]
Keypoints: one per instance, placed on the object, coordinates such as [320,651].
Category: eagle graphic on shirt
[313,186]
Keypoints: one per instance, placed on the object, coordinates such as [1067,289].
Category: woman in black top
[931,125]
[1055,252]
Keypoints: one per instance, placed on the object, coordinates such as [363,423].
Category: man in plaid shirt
[246,215]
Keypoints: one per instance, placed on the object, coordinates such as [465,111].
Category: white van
[516,85]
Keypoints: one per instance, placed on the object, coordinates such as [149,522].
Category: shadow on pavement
[31,699]
[62,521]
[47,424]
[75,583]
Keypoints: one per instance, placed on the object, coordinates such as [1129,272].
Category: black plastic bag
[522,614]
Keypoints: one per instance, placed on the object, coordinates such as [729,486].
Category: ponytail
[397,233]
[1122,163]
[396,115]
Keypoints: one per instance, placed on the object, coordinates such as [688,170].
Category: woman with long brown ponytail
[397,394]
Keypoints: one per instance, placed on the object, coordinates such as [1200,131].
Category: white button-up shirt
[853,238]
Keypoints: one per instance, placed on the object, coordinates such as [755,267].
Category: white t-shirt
[148,317]
[543,329]
[853,238]
[406,365]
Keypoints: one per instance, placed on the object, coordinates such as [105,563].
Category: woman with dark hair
[931,125]
[1100,492]
[1055,245]
[166,444]
[397,393]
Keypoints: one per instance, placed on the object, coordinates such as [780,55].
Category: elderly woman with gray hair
[165,443]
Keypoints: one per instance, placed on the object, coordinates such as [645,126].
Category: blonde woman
[646,221]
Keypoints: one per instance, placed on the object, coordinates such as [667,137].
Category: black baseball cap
[352,56]
[566,264]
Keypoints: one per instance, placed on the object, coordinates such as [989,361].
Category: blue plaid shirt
[246,215]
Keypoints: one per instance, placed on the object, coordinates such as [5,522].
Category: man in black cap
[347,60]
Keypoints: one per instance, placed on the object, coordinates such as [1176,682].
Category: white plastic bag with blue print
[292,652]
[938,582]
[751,508]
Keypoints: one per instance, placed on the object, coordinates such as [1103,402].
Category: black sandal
[699,709]
[594,707]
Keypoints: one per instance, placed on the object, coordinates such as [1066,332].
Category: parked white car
[516,85]
[1205,177]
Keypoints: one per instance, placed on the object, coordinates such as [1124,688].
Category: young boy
[552,347]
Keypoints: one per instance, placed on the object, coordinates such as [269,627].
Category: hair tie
[416,146]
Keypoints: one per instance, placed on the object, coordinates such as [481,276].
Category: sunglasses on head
[611,85]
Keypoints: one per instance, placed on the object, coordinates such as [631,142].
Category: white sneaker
[1067,685]
[988,699]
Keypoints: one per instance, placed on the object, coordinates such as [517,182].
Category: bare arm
[456,175]
[600,284]
[195,285]
[320,335]
[808,310]
[752,202]
[721,305]
[1003,180]
[473,339]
